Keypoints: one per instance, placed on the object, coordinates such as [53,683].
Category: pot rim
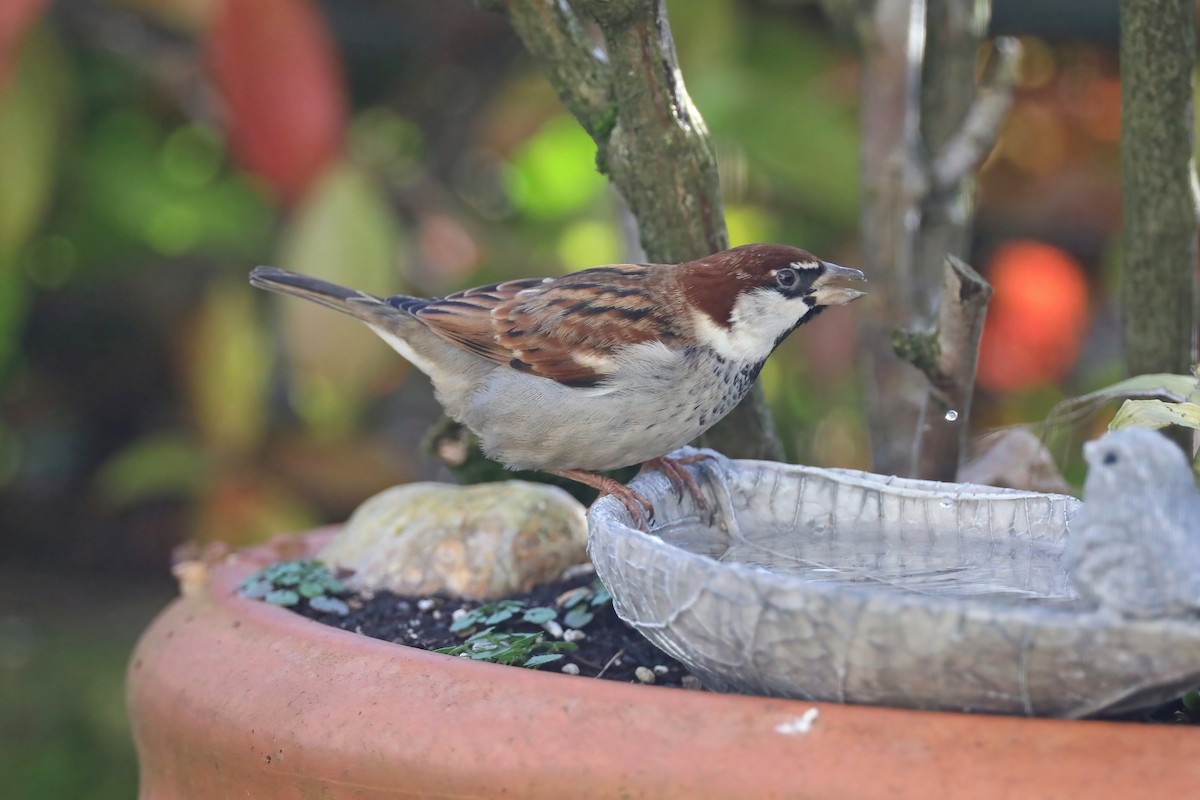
[218,681]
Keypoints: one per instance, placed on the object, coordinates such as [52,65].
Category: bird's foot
[638,506]
[673,469]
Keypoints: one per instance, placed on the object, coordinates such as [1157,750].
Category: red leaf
[16,17]
[276,69]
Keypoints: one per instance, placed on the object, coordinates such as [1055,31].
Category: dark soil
[610,649]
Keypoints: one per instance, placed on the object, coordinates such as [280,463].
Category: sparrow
[603,368]
[1134,548]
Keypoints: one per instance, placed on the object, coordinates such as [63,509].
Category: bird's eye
[786,278]
[1110,458]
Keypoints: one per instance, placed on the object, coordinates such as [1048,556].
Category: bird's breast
[533,423]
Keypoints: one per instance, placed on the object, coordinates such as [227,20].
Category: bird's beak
[826,289]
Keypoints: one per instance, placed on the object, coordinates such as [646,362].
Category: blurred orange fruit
[1037,318]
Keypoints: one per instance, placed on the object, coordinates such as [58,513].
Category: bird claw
[641,509]
[638,507]
[680,479]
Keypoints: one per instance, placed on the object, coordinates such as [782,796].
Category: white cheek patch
[759,318]
[715,336]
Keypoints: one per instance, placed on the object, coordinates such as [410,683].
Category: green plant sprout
[287,583]
[512,649]
[498,643]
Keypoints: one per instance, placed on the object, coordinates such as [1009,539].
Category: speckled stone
[480,542]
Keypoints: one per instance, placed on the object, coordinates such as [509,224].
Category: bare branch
[925,130]
[658,154]
[890,212]
[968,148]
[947,357]
[650,139]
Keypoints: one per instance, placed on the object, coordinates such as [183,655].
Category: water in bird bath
[1016,569]
[836,527]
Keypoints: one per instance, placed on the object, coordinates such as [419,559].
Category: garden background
[153,151]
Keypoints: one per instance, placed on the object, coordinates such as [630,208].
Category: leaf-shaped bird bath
[845,586]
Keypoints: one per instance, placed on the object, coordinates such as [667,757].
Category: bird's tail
[393,319]
[365,306]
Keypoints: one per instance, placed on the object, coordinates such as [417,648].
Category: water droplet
[951,415]
[946,504]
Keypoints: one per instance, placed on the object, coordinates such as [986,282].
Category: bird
[1134,547]
[603,368]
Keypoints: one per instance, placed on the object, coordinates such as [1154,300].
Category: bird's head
[745,301]
[1131,461]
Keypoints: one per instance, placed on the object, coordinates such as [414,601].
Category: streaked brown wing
[565,329]
[465,318]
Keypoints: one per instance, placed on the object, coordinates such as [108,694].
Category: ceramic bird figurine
[1134,548]
[603,368]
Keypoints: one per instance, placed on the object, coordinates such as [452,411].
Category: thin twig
[611,661]
[969,147]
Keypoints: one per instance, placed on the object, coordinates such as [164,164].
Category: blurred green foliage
[148,395]
[218,413]
[146,196]
[62,696]
[553,174]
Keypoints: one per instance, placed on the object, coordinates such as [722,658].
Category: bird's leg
[679,478]
[639,507]
[694,458]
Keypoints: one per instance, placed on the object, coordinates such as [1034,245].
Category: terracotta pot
[236,698]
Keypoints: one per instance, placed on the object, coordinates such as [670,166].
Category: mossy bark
[650,141]
[1158,45]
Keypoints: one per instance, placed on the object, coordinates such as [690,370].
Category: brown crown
[712,284]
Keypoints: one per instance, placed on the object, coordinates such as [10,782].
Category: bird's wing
[566,329]
[465,318]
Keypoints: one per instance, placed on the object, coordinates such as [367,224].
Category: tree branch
[947,357]
[1158,47]
[658,153]
[575,64]
[925,130]
[965,152]
[650,141]
[660,159]
[891,35]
